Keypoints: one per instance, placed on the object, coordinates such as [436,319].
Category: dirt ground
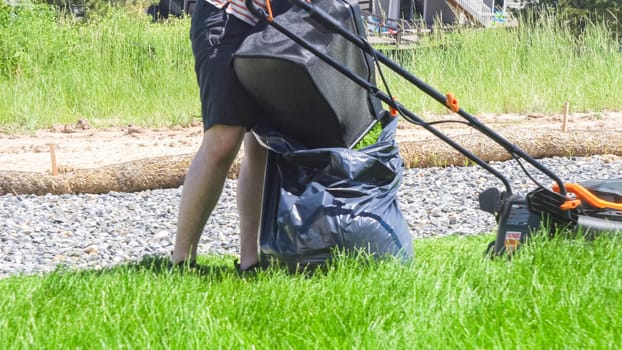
[79,146]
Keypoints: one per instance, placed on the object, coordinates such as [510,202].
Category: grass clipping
[169,172]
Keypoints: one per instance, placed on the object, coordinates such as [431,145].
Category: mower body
[598,210]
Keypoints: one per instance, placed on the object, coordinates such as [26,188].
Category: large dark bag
[321,200]
[302,96]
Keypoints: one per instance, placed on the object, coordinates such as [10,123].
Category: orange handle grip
[452,102]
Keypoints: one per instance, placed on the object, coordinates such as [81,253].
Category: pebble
[38,233]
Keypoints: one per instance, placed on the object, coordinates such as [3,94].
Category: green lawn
[553,294]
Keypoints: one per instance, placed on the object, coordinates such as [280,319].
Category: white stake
[565,120]
[53,158]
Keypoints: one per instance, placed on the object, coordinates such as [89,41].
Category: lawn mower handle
[322,17]
[261,13]
[328,22]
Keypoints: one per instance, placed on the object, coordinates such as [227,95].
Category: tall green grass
[553,294]
[112,71]
[533,68]
[124,69]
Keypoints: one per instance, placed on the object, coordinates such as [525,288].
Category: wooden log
[538,144]
[140,175]
[169,172]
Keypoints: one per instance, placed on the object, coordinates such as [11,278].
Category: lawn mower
[589,207]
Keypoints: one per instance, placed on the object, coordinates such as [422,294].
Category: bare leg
[203,185]
[249,199]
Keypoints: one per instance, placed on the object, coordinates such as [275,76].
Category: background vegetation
[113,70]
[118,67]
[581,13]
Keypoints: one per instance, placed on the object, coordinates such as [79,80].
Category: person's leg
[203,185]
[223,101]
[250,199]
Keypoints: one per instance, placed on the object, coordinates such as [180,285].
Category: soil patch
[80,148]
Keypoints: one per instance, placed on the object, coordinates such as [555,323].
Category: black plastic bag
[320,200]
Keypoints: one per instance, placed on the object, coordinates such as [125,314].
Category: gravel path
[92,231]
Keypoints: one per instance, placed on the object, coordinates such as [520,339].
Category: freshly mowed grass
[553,294]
